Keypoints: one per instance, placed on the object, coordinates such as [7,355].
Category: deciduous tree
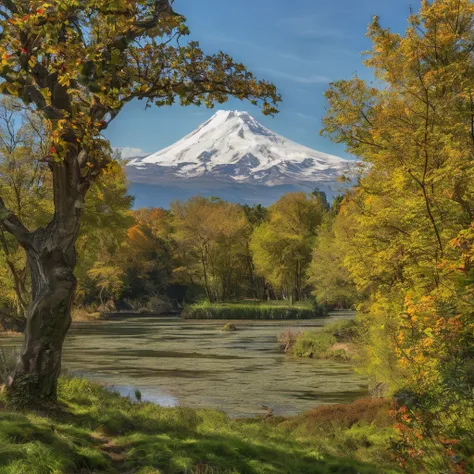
[77,63]
[26,188]
[331,281]
[281,247]
[411,218]
[211,237]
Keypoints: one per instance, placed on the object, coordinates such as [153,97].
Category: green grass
[271,310]
[337,340]
[96,431]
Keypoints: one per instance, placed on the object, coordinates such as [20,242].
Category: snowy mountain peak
[233,147]
[224,115]
[236,122]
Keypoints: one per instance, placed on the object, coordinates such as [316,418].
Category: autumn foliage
[407,226]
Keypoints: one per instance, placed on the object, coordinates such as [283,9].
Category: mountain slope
[233,150]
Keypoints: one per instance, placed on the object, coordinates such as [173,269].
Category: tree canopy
[77,63]
[409,223]
[210,238]
[281,247]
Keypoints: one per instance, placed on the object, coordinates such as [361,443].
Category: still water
[195,364]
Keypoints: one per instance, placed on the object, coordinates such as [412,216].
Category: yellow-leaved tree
[409,225]
[327,274]
[281,247]
[210,237]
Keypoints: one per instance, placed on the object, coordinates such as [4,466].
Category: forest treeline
[400,243]
[201,248]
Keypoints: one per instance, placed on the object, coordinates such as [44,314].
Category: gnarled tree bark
[51,266]
[51,257]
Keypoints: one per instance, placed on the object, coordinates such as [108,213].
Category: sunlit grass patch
[96,430]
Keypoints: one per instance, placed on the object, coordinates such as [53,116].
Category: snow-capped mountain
[233,149]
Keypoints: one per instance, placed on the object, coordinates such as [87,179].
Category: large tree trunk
[51,257]
[51,264]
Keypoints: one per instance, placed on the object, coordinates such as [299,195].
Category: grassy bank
[84,315]
[98,431]
[153,305]
[337,340]
[6,334]
[272,310]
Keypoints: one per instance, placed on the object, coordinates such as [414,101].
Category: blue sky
[299,45]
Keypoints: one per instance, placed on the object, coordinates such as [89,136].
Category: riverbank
[95,430]
[338,340]
[86,317]
[253,310]
[196,364]
[7,334]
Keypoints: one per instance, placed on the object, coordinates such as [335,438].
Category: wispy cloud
[292,61]
[305,116]
[299,78]
[313,27]
[249,44]
[269,51]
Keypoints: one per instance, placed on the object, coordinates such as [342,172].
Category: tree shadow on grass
[39,445]
[231,454]
[78,436]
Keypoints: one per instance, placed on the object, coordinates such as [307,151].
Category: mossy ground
[96,431]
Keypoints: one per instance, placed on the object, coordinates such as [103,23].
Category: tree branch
[10,5]
[14,226]
[160,7]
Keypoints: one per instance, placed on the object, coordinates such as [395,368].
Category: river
[195,364]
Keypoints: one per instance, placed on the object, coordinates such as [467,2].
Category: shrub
[344,330]
[340,354]
[337,340]
[369,411]
[363,427]
[229,327]
[159,305]
[11,323]
[83,314]
[313,344]
[138,394]
[288,338]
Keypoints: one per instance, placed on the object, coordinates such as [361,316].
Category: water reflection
[194,364]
